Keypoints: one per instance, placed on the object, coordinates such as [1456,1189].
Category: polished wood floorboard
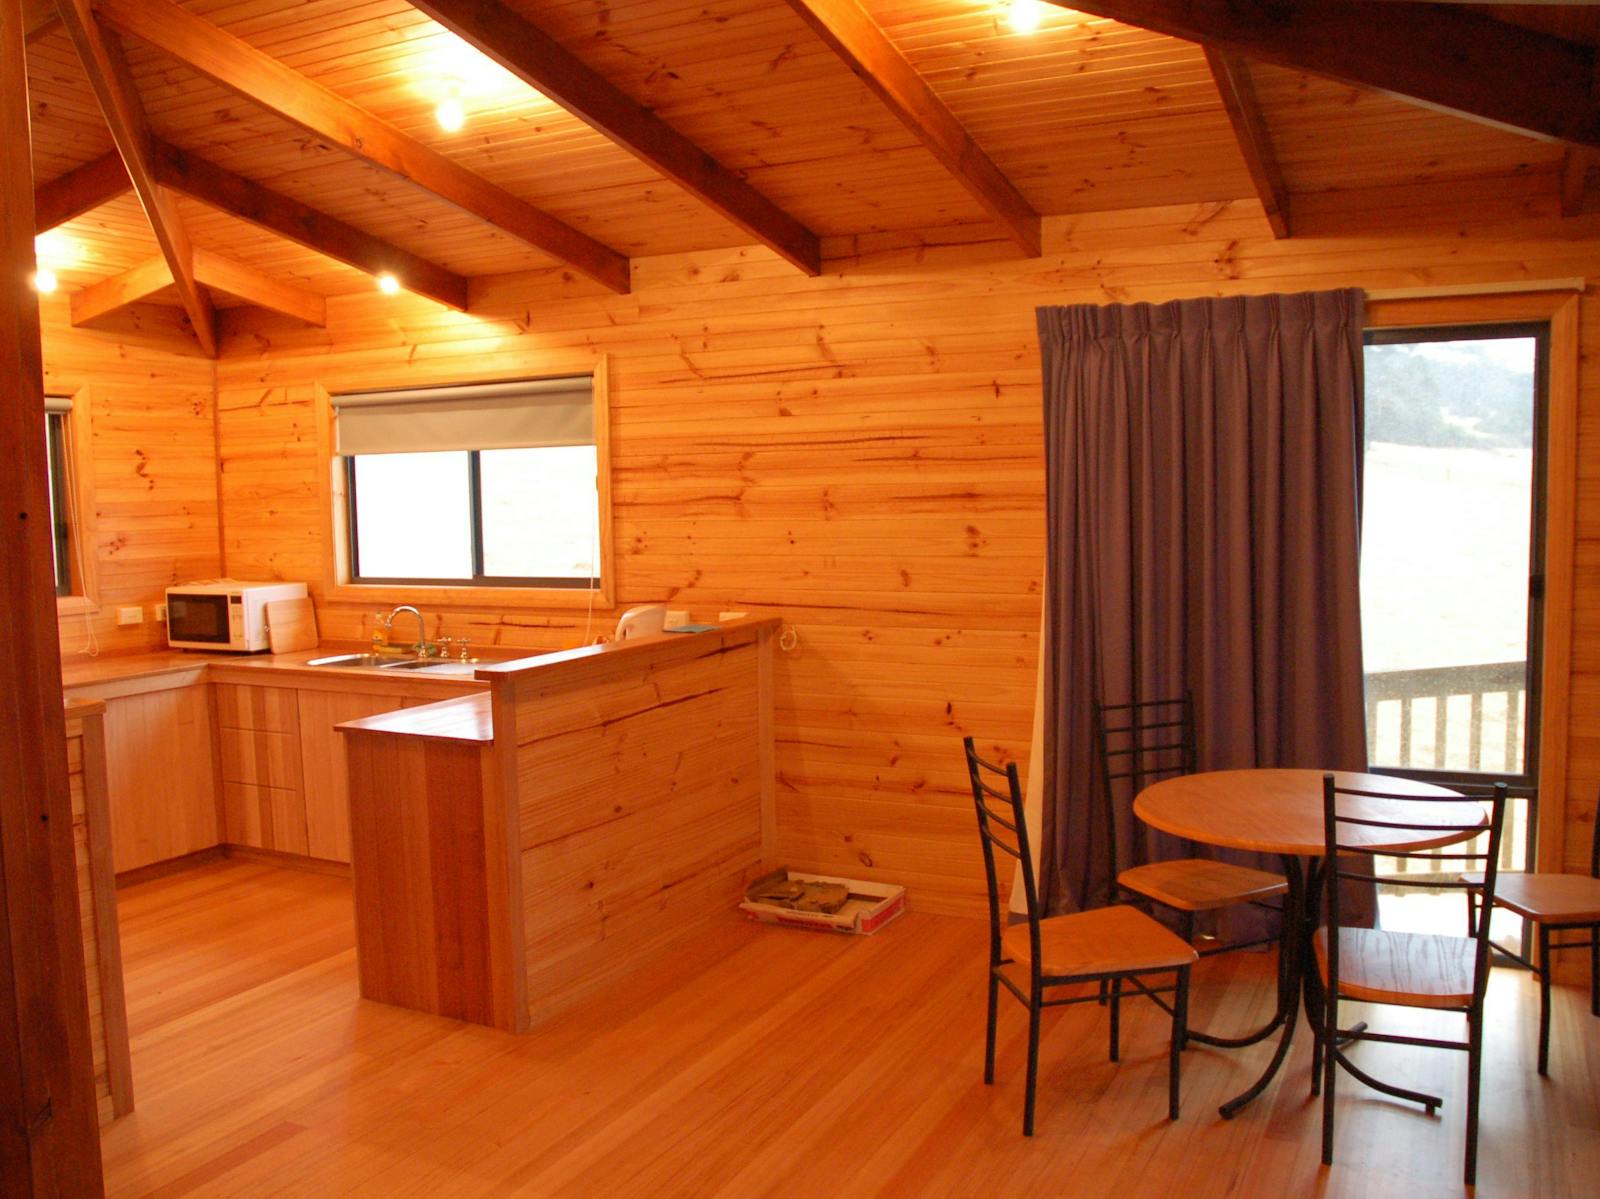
[764,1062]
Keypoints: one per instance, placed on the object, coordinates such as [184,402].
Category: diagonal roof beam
[1238,91]
[119,101]
[80,190]
[262,79]
[305,226]
[867,50]
[153,275]
[540,61]
[1442,56]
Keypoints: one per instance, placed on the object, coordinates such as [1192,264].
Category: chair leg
[1594,971]
[1544,1000]
[1033,1066]
[1472,912]
[1180,1024]
[1330,1070]
[988,1040]
[1316,1061]
[1116,1019]
[1474,1069]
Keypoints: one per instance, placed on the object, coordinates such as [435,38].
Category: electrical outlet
[161,613]
[127,616]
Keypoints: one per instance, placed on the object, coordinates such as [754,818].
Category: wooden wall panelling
[861,455]
[97,908]
[161,782]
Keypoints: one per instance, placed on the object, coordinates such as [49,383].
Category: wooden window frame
[1560,310]
[338,582]
[78,448]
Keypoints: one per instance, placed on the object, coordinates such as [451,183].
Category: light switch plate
[127,616]
[161,613]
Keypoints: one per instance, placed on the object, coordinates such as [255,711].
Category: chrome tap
[422,648]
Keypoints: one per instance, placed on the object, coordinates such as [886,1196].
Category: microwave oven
[224,614]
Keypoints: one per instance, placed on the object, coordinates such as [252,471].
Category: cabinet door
[159,776]
[323,765]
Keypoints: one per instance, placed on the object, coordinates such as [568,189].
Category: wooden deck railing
[1457,742]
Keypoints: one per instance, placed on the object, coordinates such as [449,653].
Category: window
[66,426]
[495,485]
[1452,573]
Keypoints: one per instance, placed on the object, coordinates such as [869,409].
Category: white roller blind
[486,416]
[54,404]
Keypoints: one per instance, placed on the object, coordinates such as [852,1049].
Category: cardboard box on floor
[869,908]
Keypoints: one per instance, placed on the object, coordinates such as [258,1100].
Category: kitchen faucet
[422,648]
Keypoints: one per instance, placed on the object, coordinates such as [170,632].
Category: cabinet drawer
[260,709]
[262,759]
[264,817]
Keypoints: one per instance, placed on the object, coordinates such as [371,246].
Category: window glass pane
[60,533]
[1446,551]
[413,516]
[540,513]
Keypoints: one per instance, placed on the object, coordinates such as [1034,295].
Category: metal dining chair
[1554,904]
[1118,945]
[1381,966]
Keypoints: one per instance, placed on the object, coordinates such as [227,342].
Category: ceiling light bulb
[388,284]
[450,114]
[1024,15]
[44,281]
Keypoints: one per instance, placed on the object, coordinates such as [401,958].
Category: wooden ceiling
[721,123]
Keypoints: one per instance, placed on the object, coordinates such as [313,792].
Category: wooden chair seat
[1546,898]
[1409,969]
[1200,884]
[1114,940]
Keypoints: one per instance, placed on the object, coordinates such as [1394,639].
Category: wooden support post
[49,1133]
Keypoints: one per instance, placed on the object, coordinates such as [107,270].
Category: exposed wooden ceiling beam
[241,68]
[867,50]
[540,61]
[1238,91]
[80,190]
[124,113]
[1575,178]
[224,274]
[261,206]
[1445,57]
[39,17]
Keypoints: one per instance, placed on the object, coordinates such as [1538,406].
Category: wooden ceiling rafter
[119,101]
[1441,56]
[80,190]
[855,37]
[1232,77]
[531,54]
[294,221]
[258,77]
[145,279]
[39,17]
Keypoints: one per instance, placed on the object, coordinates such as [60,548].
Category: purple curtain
[1203,464]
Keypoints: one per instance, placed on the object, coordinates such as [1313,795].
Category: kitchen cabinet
[160,781]
[258,739]
[327,794]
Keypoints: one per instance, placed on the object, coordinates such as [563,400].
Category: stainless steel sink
[387,662]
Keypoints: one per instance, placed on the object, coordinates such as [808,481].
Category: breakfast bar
[516,850]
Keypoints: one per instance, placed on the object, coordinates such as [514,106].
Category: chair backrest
[1138,744]
[1594,843]
[1356,823]
[1002,825]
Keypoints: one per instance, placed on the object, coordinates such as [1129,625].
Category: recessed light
[1024,15]
[44,281]
[388,284]
[450,113]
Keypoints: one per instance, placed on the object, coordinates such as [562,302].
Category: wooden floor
[766,1062]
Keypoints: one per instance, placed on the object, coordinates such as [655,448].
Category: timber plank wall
[860,454]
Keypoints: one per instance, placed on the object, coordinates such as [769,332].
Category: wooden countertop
[469,718]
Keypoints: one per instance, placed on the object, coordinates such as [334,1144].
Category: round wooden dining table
[1279,811]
